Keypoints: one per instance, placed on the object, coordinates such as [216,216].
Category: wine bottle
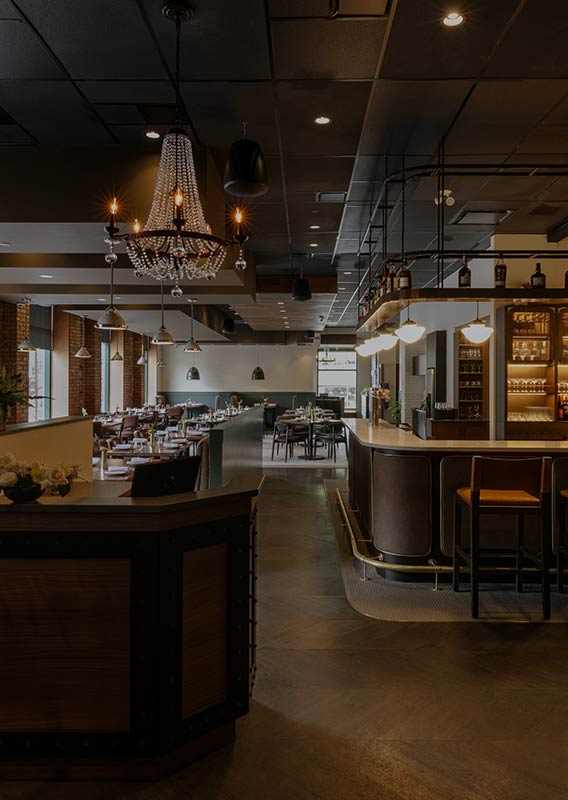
[500,273]
[405,277]
[560,411]
[538,278]
[464,277]
[390,281]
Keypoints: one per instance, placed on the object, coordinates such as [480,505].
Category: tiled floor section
[349,708]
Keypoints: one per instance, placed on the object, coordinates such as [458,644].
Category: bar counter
[403,489]
[127,629]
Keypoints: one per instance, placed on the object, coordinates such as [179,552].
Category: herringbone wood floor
[349,708]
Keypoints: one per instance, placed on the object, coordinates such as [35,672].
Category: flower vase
[23,494]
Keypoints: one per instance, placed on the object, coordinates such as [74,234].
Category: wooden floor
[349,708]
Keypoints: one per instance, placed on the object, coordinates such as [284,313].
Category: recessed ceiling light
[342,289]
[314,227]
[347,273]
[152,135]
[5,244]
[116,297]
[322,120]
[102,299]
[314,244]
[453,19]
[280,302]
[46,276]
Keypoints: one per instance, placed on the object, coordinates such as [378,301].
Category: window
[105,371]
[39,372]
[39,363]
[337,374]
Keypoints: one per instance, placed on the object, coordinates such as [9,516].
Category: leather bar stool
[561,540]
[516,487]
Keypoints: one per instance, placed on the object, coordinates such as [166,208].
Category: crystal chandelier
[176,242]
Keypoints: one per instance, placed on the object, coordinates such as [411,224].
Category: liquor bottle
[382,285]
[390,281]
[538,278]
[464,276]
[560,411]
[500,274]
[405,277]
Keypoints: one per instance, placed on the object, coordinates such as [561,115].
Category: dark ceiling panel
[53,112]
[536,45]
[218,109]
[303,214]
[318,174]
[546,140]
[411,116]
[223,40]
[320,8]
[97,38]
[301,102]
[122,91]
[500,114]
[421,47]
[7,10]
[22,54]
[327,50]
[122,114]
[13,134]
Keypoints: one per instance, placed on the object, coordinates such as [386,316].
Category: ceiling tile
[327,50]
[101,39]
[22,54]
[301,102]
[53,112]
[421,47]
[218,110]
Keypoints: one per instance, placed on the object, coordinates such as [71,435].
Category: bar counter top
[389,437]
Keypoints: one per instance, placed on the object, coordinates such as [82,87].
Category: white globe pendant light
[478,331]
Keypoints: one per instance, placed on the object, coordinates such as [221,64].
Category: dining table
[309,422]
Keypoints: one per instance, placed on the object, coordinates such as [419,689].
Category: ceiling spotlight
[152,135]
[46,276]
[444,196]
[101,299]
[314,244]
[322,120]
[347,273]
[453,19]
[5,244]
[315,227]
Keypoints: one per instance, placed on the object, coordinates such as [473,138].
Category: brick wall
[133,373]
[84,373]
[14,328]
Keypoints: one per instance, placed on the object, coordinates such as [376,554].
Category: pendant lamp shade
[302,290]
[82,352]
[228,326]
[26,345]
[245,170]
[257,374]
[163,336]
[143,360]
[192,346]
[110,320]
[193,374]
[117,357]
[478,331]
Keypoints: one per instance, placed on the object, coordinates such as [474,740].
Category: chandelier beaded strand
[176,242]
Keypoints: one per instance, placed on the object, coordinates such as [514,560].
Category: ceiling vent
[482,217]
[331,197]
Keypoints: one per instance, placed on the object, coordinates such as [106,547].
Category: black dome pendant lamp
[246,174]
[258,372]
[228,326]
[301,291]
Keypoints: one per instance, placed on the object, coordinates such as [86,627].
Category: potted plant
[395,410]
[12,393]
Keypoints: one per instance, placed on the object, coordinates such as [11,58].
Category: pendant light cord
[162,294]
[191,337]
